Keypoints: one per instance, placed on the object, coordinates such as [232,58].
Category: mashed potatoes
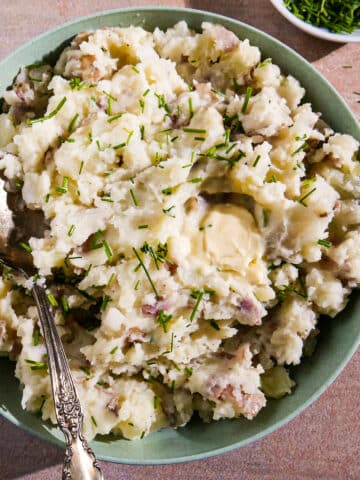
[201,218]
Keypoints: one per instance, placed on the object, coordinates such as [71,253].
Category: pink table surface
[320,444]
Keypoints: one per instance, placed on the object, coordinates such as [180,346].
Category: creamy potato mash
[201,218]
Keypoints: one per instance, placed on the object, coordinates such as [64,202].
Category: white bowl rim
[313,30]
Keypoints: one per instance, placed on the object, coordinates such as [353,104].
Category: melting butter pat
[231,241]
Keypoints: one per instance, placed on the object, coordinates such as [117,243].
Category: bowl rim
[319,32]
[356,341]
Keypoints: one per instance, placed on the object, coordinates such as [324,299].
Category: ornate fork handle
[80,462]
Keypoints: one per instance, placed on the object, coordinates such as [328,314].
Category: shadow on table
[261,14]
[22,454]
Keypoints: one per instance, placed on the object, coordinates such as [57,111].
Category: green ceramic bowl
[338,339]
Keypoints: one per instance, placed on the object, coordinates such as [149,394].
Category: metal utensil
[18,224]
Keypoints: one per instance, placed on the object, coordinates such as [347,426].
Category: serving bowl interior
[338,338]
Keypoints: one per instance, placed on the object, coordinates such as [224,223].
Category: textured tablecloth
[320,444]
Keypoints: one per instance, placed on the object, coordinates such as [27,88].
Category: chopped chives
[103,384]
[276,266]
[65,304]
[265,62]
[119,145]
[146,92]
[212,150]
[227,136]
[146,248]
[162,103]
[198,300]
[195,180]
[72,123]
[142,104]
[325,243]
[129,137]
[93,421]
[25,247]
[76,83]
[86,295]
[336,15]
[200,139]
[142,132]
[71,230]
[72,258]
[301,200]
[297,166]
[273,179]
[191,108]
[304,145]
[64,186]
[216,147]
[109,102]
[281,294]
[36,365]
[104,303]
[114,350]
[155,402]
[36,337]
[248,94]
[114,117]
[134,199]
[95,244]
[108,250]
[136,70]
[52,300]
[81,167]
[265,216]
[256,161]
[168,210]
[167,191]
[143,226]
[146,272]
[112,276]
[193,130]
[50,115]
[309,181]
[163,319]
[137,284]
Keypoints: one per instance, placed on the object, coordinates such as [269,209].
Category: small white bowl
[315,31]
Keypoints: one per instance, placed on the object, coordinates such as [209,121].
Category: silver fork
[80,462]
